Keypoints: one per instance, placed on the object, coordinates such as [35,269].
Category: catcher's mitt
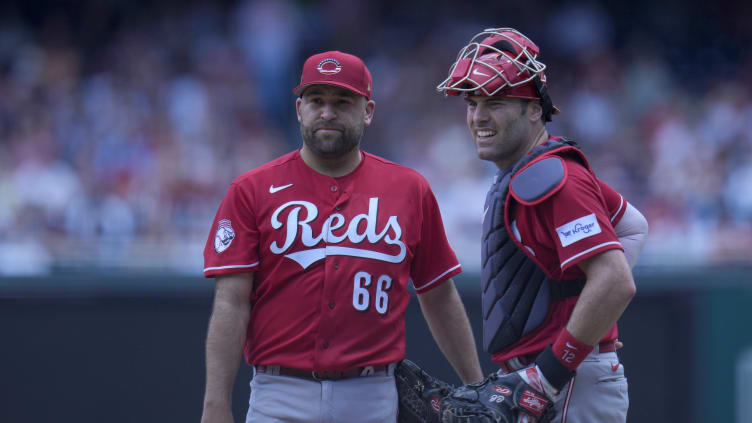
[419,394]
[497,399]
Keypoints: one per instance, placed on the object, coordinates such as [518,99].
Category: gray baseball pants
[294,400]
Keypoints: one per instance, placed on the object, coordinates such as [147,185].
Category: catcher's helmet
[500,62]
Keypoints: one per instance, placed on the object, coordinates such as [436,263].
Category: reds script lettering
[335,221]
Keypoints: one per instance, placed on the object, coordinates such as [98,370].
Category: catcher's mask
[500,62]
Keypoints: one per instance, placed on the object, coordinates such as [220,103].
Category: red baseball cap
[336,68]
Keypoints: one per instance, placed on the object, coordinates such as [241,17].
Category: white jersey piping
[438,277]
[589,250]
[621,204]
[234,266]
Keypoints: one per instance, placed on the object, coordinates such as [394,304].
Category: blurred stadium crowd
[123,123]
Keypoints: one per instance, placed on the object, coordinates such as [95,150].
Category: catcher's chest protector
[516,293]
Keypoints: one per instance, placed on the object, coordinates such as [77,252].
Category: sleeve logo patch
[578,229]
[224,236]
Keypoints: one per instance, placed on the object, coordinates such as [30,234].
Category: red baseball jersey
[572,225]
[332,258]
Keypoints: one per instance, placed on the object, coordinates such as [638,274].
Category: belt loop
[390,369]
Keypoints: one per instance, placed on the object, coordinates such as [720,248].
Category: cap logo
[329,66]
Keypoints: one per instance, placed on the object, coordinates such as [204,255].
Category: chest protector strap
[516,293]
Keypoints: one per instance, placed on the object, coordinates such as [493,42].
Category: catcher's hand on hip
[510,398]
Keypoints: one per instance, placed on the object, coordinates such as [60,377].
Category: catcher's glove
[497,399]
[419,394]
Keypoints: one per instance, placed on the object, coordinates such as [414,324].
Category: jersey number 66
[361,296]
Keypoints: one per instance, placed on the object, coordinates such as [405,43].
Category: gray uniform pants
[597,394]
[294,400]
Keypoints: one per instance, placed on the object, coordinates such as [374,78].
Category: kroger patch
[578,229]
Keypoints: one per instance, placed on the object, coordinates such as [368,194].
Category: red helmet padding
[488,73]
[500,62]
[503,63]
[461,69]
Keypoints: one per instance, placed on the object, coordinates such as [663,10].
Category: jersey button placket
[330,288]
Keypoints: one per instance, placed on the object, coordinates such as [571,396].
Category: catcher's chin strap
[545,99]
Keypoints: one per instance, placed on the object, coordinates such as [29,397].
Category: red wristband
[569,350]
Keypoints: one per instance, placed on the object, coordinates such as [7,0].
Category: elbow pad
[632,231]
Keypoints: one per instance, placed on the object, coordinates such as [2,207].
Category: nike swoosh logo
[571,346]
[477,72]
[273,189]
[615,367]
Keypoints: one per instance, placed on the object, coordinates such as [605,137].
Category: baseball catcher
[499,398]
[557,249]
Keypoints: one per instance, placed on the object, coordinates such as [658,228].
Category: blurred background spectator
[123,123]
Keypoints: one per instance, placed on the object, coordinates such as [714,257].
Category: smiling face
[504,129]
[332,120]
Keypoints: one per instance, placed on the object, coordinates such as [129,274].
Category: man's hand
[498,398]
[534,377]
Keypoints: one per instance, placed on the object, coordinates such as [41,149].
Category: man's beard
[331,145]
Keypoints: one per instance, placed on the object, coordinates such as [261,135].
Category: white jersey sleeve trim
[621,204]
[587,251]
[235,266]
[437,278]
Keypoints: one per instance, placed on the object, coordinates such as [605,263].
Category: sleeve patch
[224,236]
[578,229]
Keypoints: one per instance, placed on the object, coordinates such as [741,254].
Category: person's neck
[540,138]
[332,166]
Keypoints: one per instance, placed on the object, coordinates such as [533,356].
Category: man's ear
[370,106]
[298,102]
[534,110]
